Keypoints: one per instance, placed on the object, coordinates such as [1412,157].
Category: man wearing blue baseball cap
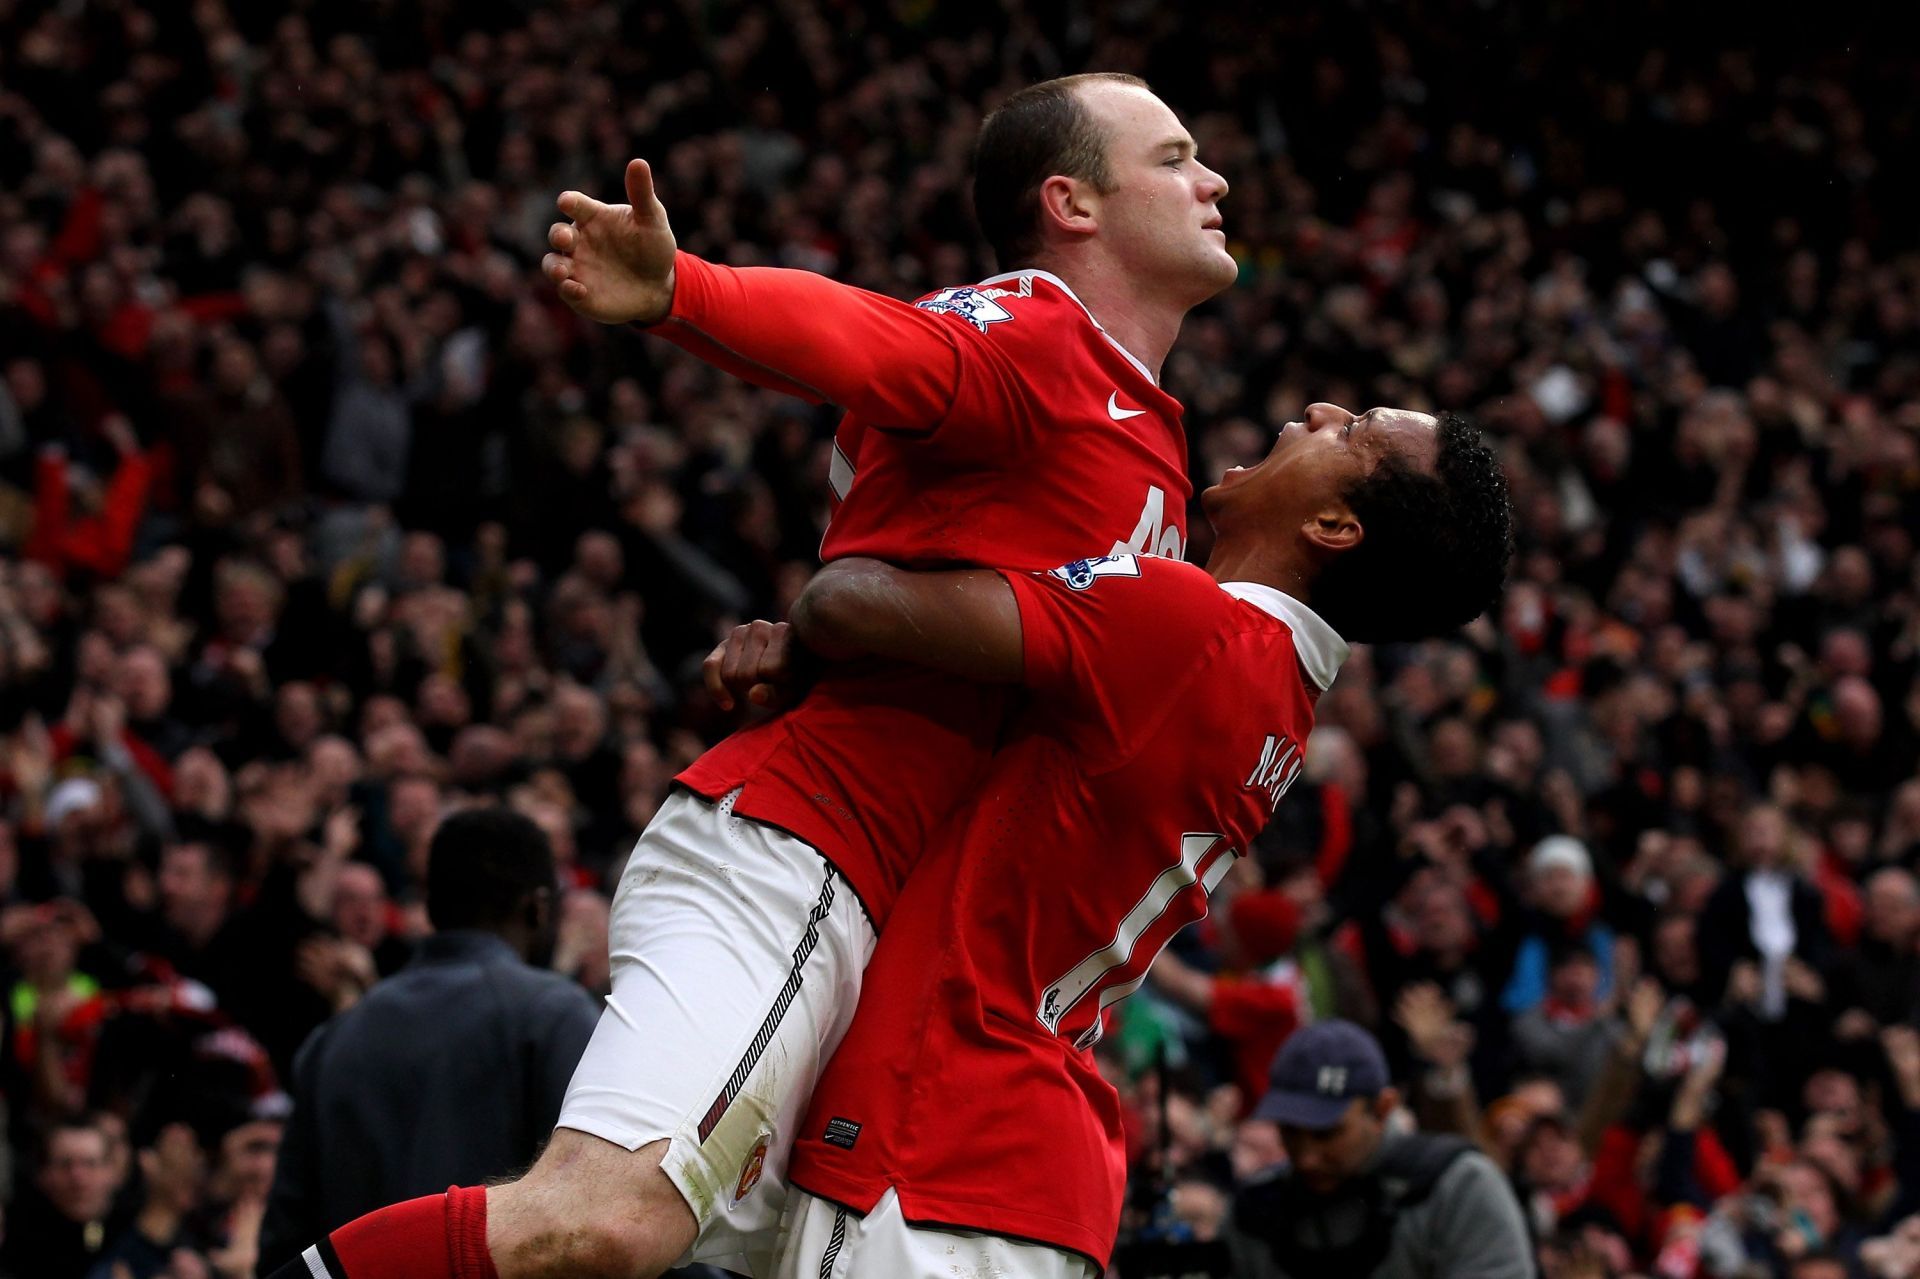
[1355,1199]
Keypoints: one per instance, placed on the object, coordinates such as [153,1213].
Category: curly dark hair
[1435,548]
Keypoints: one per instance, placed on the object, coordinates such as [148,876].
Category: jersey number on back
[1117,968]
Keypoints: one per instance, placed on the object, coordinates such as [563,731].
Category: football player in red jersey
[963,1125]
[1015,422]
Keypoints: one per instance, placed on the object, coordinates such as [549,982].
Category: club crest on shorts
[750,1171]
[1082,574]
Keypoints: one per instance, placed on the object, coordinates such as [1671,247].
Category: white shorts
[819,1239]
[737,953]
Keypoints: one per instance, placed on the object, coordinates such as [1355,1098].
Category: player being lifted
[1016,423]
[963,1127]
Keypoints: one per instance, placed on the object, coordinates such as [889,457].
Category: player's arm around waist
[963,622]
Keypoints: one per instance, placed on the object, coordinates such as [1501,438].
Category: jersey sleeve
[932,369]
[1106,643]
[803,334]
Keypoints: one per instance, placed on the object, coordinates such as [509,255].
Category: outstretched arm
[964,622]
[790,331]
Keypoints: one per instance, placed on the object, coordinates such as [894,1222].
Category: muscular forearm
[963,623]
[806,335]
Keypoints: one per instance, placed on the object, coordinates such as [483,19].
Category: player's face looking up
[1313,463]
[1159,208]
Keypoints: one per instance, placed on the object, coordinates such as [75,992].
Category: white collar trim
[1061,284]
[1319,646]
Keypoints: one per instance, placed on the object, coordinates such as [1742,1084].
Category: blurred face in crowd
[1513,1116]
[1441,920]
[415,805]
[1763,838]
[580,721]
[78,1177]
[246,1160]
[1256,1145]
[1674,955]
[234,367]
[116,611]
[1561,891]
[143,683]
[1857,713]
[1893,907]
[443,702]
[1826,1148]
[1160,215]
[194,894]
[201,784]
[246,601]
[397,750]
[598,557]
[297,714]
[360,905]
[1836,1094]
[1575,981]
[1550,1158]
[1803,1188]
[1324,1159]
[334,766]
[1200,1206]
[423,559]
[46,949]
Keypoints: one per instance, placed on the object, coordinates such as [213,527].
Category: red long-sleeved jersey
[995,424]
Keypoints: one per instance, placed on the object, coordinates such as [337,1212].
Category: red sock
[434,1237]
[467,1233]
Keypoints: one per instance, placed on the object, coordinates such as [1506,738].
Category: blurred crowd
[320,517]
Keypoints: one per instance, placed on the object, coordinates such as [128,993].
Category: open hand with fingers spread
[614,262]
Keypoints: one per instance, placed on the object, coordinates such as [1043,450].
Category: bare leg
[589,1209]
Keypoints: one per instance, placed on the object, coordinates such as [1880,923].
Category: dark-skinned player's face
[1315,460]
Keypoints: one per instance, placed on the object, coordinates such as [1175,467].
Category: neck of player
[1145,324]
[1262,560]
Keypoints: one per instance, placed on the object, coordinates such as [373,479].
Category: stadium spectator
[62,1230]
[386,1095]
[1354,1197]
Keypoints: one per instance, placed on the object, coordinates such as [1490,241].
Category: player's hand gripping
[760,662]
[614,262]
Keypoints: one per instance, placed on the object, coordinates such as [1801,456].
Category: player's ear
[1333,529]
[1071,205]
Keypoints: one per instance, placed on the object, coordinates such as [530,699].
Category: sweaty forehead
[1415,436]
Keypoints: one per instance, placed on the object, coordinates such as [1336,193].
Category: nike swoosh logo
[1117,413]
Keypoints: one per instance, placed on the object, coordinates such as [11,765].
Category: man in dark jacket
[452,1070]
[1358,1200]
